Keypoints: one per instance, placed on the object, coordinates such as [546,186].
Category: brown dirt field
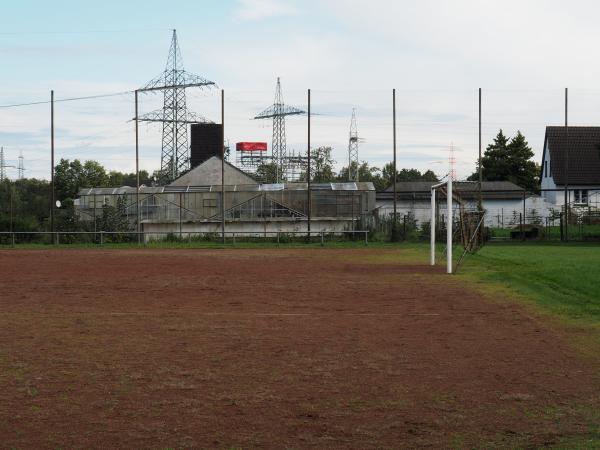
[302,348]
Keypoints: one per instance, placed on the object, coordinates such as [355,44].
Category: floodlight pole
[137,172]
[52,200]
[223,166]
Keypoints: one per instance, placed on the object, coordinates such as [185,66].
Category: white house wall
[547,181]
[499,213]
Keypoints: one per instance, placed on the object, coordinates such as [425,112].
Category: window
[545,169]
[581,196]
[210,203]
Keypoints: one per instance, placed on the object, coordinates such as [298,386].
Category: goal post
[448,223]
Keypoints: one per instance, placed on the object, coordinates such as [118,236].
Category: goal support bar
[448,224]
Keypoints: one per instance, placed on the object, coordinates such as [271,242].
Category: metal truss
[278,111]
[174,115]
[353,149]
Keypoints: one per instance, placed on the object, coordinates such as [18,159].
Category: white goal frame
[449,223]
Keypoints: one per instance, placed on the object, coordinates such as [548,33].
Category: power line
[15,33]
[70,99]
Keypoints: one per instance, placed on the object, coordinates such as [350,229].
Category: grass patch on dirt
[562,279]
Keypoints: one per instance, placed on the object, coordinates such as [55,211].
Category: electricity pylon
[278,111]
[174,115]
[2,165]
[21,166]
[353,149]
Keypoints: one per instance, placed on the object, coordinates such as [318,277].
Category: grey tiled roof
[498,190]
[583,148]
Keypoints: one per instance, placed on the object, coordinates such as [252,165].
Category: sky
[350,53]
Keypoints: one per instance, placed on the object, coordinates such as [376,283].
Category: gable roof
[209,173]
[583,147]
[490,189]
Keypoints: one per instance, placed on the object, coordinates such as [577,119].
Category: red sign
[251,146]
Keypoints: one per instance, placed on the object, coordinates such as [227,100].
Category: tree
[506,160]
[321,166]
[365,173]
[93,174]
[67,178]
[267,172]
[405,175]
[116,179]
[114,218]
[24,203]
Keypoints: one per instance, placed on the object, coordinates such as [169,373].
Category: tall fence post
[180,208]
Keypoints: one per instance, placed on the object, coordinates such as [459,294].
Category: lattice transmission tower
[452,163]
[278,112]
[21,166]
[353,149]
[2,165]
[174,115]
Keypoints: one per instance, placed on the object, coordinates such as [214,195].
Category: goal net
[469,226]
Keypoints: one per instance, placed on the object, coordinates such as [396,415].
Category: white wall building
[503,202]
[571,157]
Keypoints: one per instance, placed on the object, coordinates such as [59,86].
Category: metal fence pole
[137,171]
[395,181]
[180,208]
[308,174]
[223,166]
[52,201]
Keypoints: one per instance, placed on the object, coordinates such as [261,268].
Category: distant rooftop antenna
[353,149]
[277,111]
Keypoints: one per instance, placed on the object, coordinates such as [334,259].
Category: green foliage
[387,174]
[509,160]
[114,218]
[267,173]
[321,165]
[71,176]
[383,178]
[365,173]
[27,201]
[117,179]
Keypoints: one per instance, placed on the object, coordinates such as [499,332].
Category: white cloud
[249,10]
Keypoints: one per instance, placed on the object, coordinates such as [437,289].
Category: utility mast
[174,115]
[452,163]
[278,111]
[353,149]
[2,165]
[21,166]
